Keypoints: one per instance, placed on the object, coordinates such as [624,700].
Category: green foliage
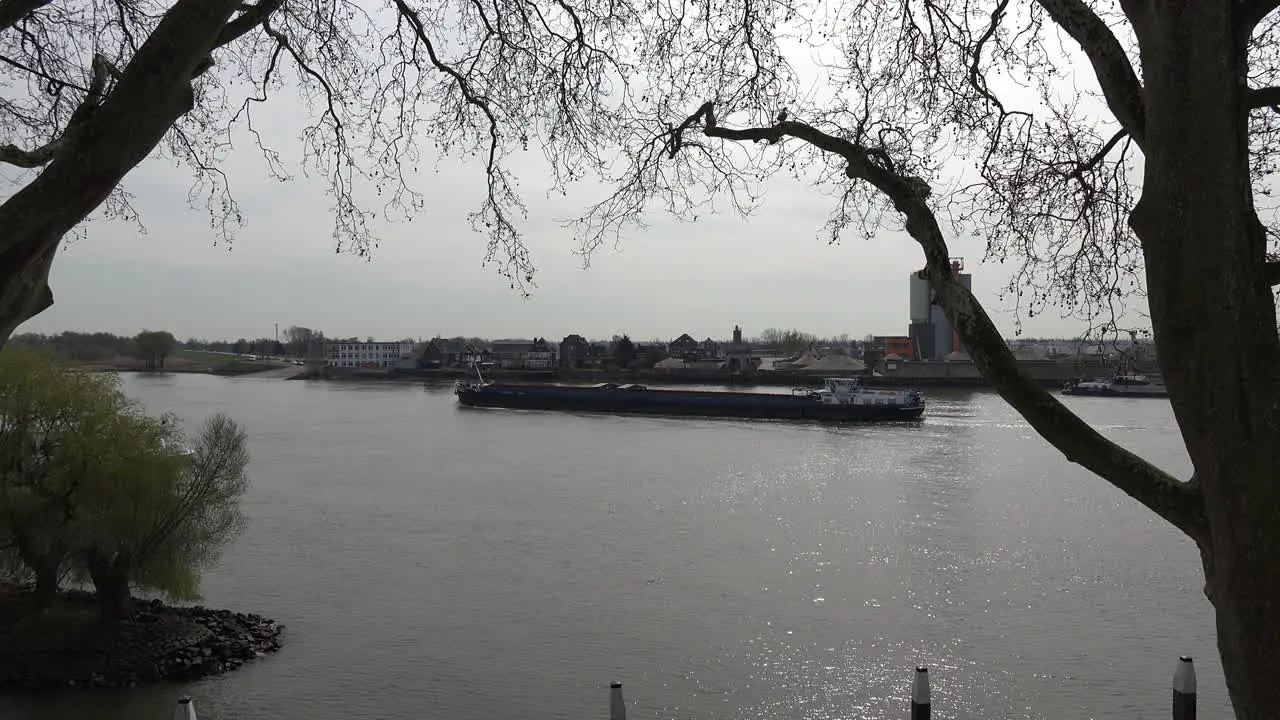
[91,484]
[163,513]
[80,347]
[102,347]
[51,420]
[153,346]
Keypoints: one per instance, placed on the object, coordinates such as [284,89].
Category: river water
[443,562]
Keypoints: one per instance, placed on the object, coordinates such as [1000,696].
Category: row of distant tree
[153,347]
[294,341]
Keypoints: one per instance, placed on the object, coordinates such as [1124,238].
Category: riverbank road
[286,372]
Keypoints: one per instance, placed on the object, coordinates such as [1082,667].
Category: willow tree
[156,516]
[153,347]
[51,423]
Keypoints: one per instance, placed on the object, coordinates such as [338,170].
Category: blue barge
[839,400]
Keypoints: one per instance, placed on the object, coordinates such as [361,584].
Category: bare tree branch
[94,96]
[1102,153]
[153,91]
[250,17]
[14,155]
[1178,502]
[1252,12]
[1264,97]
[1111,64]
[12,11]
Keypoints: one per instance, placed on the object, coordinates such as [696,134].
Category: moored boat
[839,399]
[1119,386]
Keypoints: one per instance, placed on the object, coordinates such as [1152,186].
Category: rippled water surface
[440,562]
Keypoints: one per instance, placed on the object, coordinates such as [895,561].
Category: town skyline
[769,270]
[758,338]
[79,309]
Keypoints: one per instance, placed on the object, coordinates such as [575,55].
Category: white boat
[1119,386]
[179,448]
[851,391]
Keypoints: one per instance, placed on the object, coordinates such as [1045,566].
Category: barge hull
[1088,392]
[685,403]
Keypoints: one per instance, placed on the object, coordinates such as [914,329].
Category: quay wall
[894,373]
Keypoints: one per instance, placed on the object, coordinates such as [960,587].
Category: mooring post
[1184,689]
[920,707]
[617,706]
[185,710]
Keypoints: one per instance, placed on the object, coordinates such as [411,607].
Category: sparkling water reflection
[471,564]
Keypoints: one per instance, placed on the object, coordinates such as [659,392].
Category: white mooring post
[185,710]
[617,706]
[920,707]
[1184,689]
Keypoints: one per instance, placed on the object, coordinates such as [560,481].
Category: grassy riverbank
[192,361]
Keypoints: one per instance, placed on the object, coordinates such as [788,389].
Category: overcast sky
[426,277]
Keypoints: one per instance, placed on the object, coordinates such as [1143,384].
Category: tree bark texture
[1214,318]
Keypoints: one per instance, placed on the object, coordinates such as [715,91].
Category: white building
[346,354]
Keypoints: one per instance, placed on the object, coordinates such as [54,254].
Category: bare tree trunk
[113,597]
[45,566]
[24,284]
[46,584]
[110,585]
[1213,312]
[1248,628]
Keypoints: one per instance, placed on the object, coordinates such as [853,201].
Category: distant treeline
[261,346]
[297,341]
[154,345]
[84,347]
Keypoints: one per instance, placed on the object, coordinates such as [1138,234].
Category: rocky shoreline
[68,647]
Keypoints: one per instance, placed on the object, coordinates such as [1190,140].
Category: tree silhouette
[1154,189]
[385,83]
[624,351]
[153,346]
